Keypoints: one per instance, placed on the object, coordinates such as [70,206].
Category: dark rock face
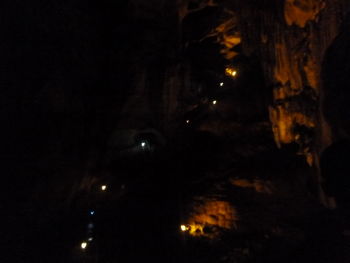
[335,76]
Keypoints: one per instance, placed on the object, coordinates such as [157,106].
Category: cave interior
[174,130]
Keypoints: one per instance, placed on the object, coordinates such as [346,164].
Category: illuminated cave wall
[291,38]
[209,217]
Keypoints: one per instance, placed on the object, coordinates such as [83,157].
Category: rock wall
[291,38]
[154,64]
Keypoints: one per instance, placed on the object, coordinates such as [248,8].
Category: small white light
[187,121]
[83,245]
[92,212]
[214,102]
[143,144]
[104,187]
[221,84]
[183,228]
[90,239]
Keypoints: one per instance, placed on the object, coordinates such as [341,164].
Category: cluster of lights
[231,72]
[90,227]
[84,244]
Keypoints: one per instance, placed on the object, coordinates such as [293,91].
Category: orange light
[231,72]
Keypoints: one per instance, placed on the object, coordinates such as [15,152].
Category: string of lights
[230,72]
[184,228]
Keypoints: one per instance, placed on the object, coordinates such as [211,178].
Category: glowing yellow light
[221,84]
[231,72]
[187,121]
[83,245]
[184,228]
[214,102]
[104,187]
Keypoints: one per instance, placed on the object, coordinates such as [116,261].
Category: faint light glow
[214,102]
[90,239]
[184,228]
[104,187]
[90,226]
[187,121]
[143,144]
[92,212]
[83,245]
[221,84]
[231,72]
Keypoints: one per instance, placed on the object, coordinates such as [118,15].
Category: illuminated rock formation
[292,48]
[209,217]
[258,185]
[290,38]
[300,12]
